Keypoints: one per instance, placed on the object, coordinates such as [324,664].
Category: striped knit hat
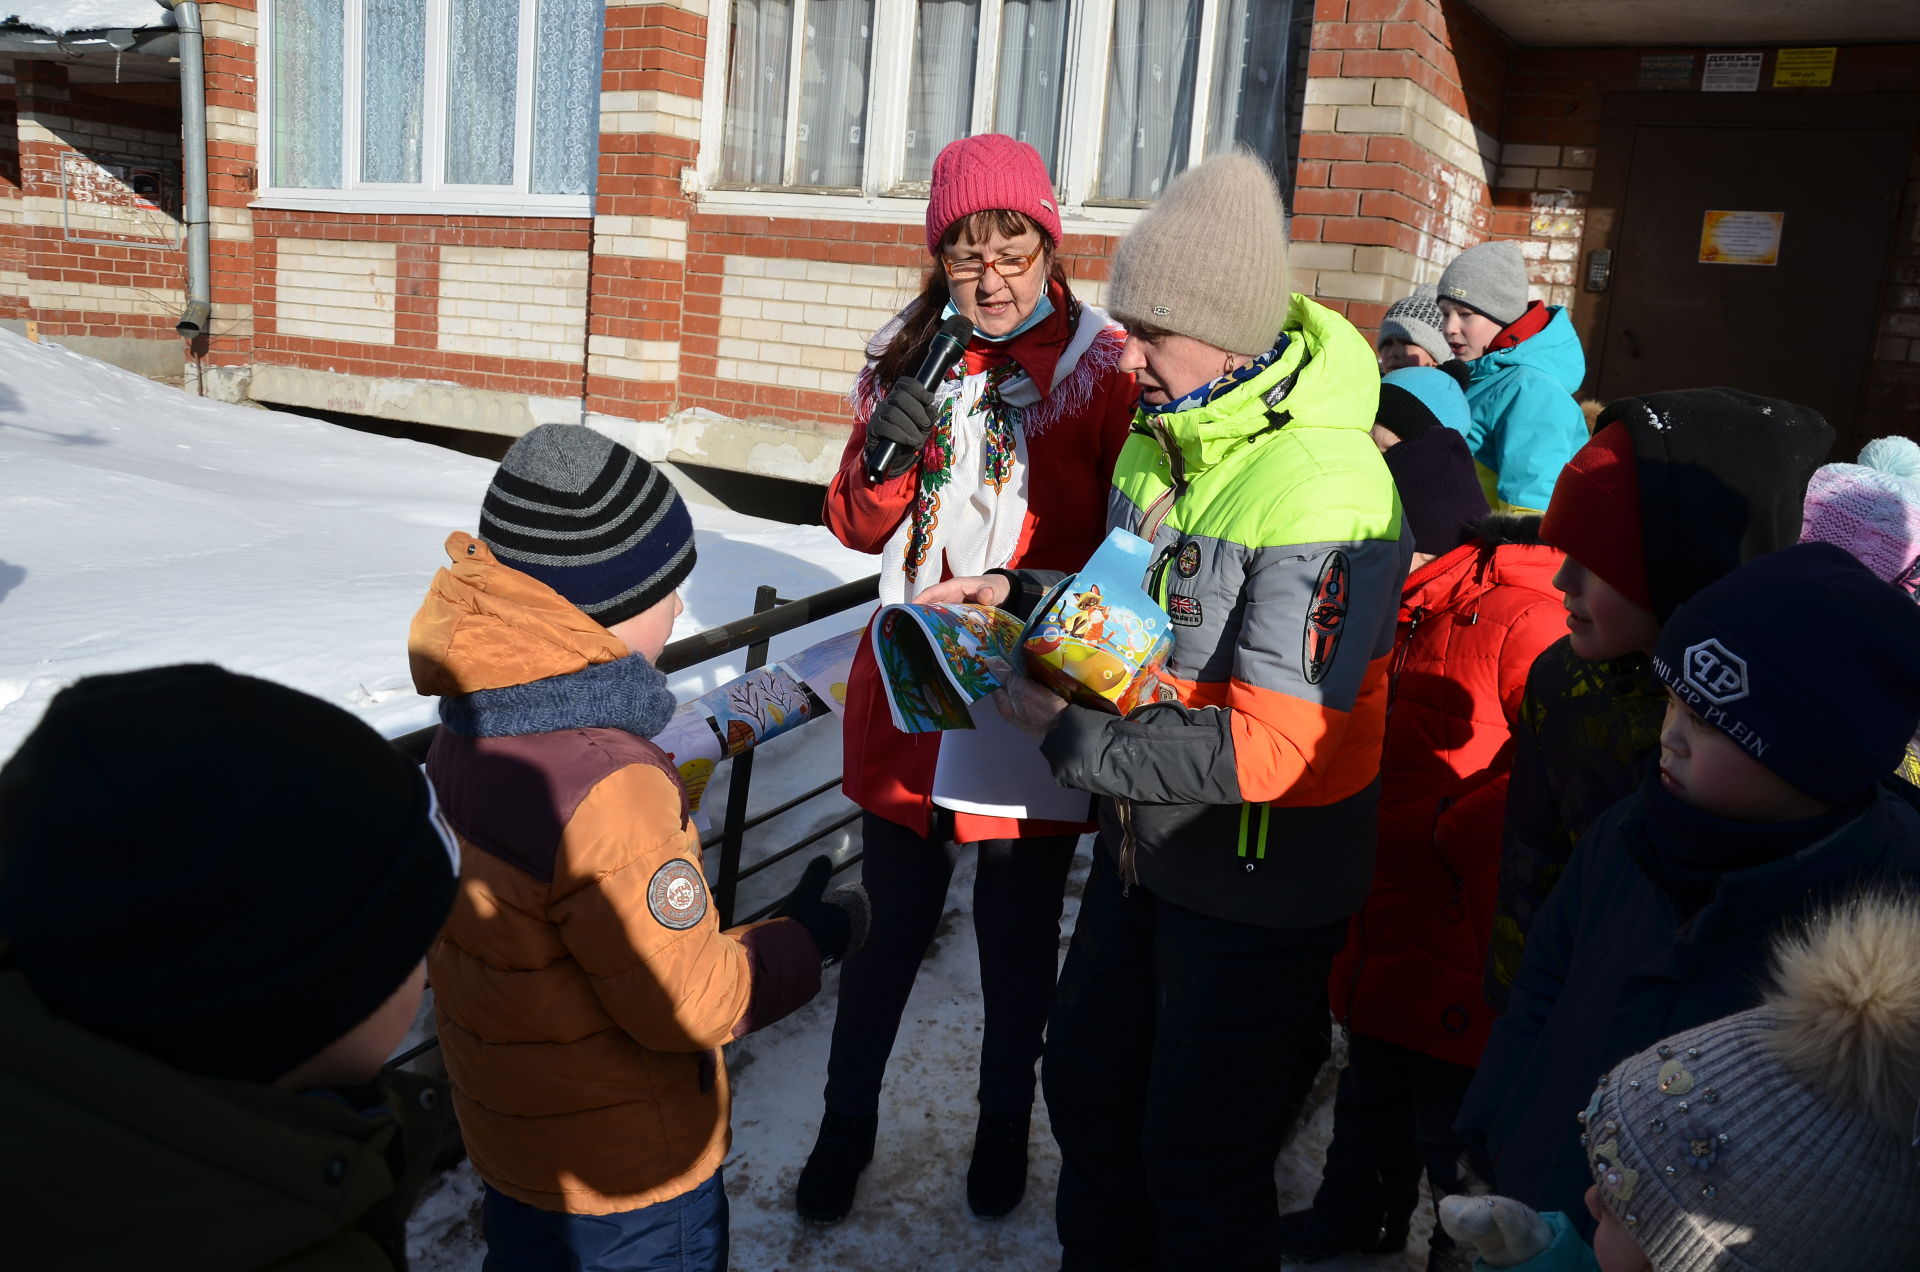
[590,519]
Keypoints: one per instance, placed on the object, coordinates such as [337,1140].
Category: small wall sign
[1803,68]
[1732,73]
[1741,238]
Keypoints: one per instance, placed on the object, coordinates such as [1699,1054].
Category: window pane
[1033,61]
[1250,80]
[308,72]
[756,128]
[566,96]
[940,96]
[394,91]
[1150,80]
[834,52]
[483,68]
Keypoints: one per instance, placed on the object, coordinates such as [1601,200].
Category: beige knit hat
[1209,260]
[1780,1139]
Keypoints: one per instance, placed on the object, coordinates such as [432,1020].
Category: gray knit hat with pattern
[1416,319]
[590,519]
[1491,278]
[1209,260]
[1780,1139]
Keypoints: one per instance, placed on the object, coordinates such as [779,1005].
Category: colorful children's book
[1097,639]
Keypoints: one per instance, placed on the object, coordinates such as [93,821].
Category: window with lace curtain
[471,103]
[856,97]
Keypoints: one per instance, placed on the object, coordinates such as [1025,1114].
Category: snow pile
[59,17]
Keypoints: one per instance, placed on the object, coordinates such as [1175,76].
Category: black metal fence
[772,616]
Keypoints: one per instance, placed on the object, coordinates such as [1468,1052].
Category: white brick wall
[104,298]
[513,302]
[655,361]
[804,324]
[331,289]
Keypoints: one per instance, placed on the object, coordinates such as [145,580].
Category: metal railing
[771,617]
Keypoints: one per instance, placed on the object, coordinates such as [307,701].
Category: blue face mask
[1038,316]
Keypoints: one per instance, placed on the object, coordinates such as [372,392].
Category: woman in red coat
[1005,464]
[1473,616]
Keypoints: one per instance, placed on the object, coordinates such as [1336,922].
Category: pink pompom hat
[987,172]
[1872,509]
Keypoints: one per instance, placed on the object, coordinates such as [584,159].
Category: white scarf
[970,526]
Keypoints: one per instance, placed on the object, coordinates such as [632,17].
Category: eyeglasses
[1006,266]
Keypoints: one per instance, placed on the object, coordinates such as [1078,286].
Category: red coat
[1471,624]
[1071,460]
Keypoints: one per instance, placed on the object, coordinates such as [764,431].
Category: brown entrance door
[1801,329]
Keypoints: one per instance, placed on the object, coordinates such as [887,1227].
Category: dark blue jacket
[1612,967]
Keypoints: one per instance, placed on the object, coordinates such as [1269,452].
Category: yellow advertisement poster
[1741,238]
[1803,68]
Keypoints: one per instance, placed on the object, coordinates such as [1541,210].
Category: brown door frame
[1622,114]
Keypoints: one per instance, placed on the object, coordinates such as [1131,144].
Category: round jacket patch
[1188,562]
[677,895]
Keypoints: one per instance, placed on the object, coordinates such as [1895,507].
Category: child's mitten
[1505,1232]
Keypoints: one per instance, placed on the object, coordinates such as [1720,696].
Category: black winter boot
[825,1191]
[997,1179]
[1307,1236]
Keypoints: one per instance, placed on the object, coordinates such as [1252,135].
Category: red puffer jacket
[1471,623]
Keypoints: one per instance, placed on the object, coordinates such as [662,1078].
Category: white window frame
[883,196]
[433,194]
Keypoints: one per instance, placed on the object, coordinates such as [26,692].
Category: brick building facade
[721,323]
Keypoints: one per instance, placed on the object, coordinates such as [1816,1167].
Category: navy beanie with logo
[1807,660]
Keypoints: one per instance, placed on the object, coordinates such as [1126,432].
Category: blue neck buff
[1039,315]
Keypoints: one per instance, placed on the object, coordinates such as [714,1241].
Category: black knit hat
[221,872]
[1439,489]
[590,519]
[1807,660]
[1722,479]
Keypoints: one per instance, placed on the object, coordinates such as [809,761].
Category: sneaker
[1307,1237]
[997,1179]
[825,1191]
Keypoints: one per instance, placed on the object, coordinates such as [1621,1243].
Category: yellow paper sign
[1803,68]
[1741,238]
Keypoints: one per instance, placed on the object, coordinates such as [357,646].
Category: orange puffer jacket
[1471,624]
[583,987]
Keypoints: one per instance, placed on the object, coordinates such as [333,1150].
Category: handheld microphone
[948,344]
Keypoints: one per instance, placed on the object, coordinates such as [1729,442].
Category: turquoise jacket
[1526,425]
[1568,1253]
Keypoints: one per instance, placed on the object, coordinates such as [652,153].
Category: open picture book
[1097,639]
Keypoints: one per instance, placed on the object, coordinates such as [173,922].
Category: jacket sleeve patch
[1326,617]
[677,895]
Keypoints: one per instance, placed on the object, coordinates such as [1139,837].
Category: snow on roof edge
[63,17]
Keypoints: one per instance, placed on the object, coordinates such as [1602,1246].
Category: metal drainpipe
[198,314]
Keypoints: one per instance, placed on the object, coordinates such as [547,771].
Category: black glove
[904,418]
[837,923]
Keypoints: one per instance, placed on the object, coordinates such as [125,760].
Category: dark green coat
[1581,744]
[110,1159]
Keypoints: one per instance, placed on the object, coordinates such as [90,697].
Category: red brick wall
[1377,190]
[232,177]
[79,116]
[413,355]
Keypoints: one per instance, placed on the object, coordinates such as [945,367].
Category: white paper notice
[1732,73]
[996,770]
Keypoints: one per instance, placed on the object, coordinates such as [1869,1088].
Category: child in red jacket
[1477,609]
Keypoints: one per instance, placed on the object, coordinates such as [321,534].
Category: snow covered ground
[141,526]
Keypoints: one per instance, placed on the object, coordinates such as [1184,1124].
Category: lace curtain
[830,141]
[754,150]
[566,96]
[1032,74]
[1150,83]
[946,37]
[308,60]
[1250,81]
[483,65]
[394,72]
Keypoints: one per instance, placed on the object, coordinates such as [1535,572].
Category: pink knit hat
[1872,509]
[980,174]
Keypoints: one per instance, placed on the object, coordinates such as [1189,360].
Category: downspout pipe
[197,317]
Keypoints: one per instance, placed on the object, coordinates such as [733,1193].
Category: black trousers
[1017,895]
[1168,1076]
[1392,1121]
